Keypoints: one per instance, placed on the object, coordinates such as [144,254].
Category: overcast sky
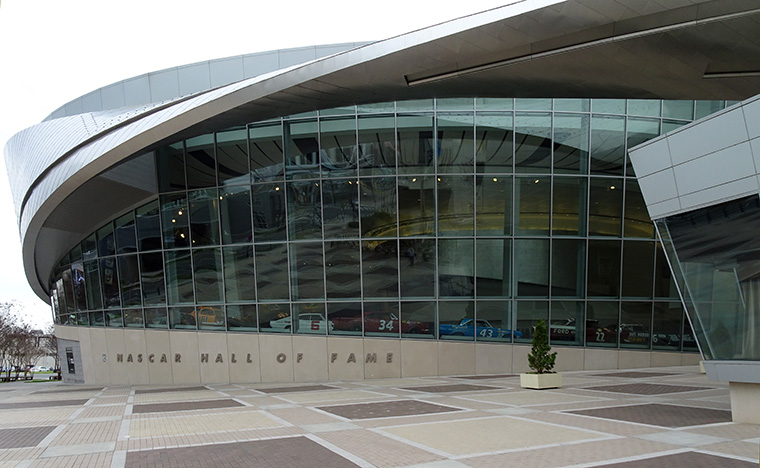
[53,51]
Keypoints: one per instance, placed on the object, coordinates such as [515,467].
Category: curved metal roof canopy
[679,49]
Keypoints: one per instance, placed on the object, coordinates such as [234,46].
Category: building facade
[325,222]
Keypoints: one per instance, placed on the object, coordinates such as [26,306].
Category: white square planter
[541,381]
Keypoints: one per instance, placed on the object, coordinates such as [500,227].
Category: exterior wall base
[161,357]
[744,398]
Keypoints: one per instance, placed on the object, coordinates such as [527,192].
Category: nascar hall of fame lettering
[246,358]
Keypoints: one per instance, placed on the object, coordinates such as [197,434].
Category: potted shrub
[541,362]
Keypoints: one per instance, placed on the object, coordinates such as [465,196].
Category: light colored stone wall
[159,357]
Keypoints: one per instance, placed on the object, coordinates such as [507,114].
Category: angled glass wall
[451,219]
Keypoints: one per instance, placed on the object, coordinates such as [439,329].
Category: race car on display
[468,327]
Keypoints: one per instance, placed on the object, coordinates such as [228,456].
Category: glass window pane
[377,145]
[571,143]
[667,324]
[179,277]
[380,269]
[274,318]
[207,270]
[125,234]
[381,319]
[114,318]
[80,287]
[340,208]
[494,104]
[567,316]
[454,104]
[494,206]
[209,317]
[456,268]
[639,131]
[417,320]
[608,106]
[109,280]
[182,318]
[456,320]
[532,267]
[204,217]
[417,268]
[605,207]
[638,268]
[339,152]
[415,105]
[148,227]
[683,110]
[83,319]
[645,107]
[456,147]
[533,104]
[304,210]
[456,207]
[89,247]
[635,320]
[664,282]
[493,268]
[416,205]
[68,287]
[493,143]
[705,108]
[607,145]
[568,262]
[170,165]
[342,270]
[266,152]
[156,317]
[572,105]
[637,222]
[533,196]
[526,316]
[311,318]
[376,108]
[106,243]
[346,318]
[152,278]
[533,143]
[307,271]
[92,283]
[242,317]
[97,319]
[232,157]
[134,318]
[201,164]
[569,206]
[602,323]
[378,206]
[301,149]
[239,277]
[268,212]
[272,277]
[174,219]
[494,321]
[603,268]
[235,209]
[129,276]
[415,144]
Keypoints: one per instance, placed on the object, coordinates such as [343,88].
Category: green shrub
[540,360]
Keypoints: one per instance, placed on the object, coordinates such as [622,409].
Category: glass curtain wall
[451,219]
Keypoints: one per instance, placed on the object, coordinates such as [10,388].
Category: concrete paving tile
[337,395]
[330,427]
[682,438]
[530,398]
[153,426]
[67,450]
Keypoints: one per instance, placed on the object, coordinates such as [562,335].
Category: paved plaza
[669,417]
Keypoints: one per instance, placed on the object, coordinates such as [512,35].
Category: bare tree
[20,345]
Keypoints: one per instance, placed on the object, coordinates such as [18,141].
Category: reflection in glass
[106,243]
[637,222]
[113,318]
[417,268]
[568,261]
[456,268]
[179,277]
[156,317]
[377,145]
[129,276]
[239,274]
[494,206]
[182,318]
[92,284]
[417,320]
[268,212]
[209,317]
[152,278]
[301,149]
[346,318]
[134,318]
[232,157]
[109,279]
[532,267]
[569,206]
[125,234]
[605,207]
[340,207]
[415,144]
[170,165]
[493,267]
[602,322]
[607,144]
[638,264]
[304,210]
[571,143]
[603,268]
[235,208]
[207,271]
[148,227]
[266,152]
[533,196]
[493,143]
[455,205]
[204,217]
[242,317]
[566,326]
[526,316]
[274,318]
[635,320]
[174,218]
[339,153]
[342,270]
[306,271]
[201,163]
[416,205]
[378,206]
[381,319]
[456,149]
[272,280]
[533,143]
[666,326]
[380,269]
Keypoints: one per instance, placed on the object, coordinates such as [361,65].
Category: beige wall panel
[118,373]
[634,359]
[520,358]
[247,365]
[310,358]
[338,365]
[89,371]
[665,359]
[690,359]
[214,357]
[744,398]
[377,354]
[93,343]
[568,359]
[276,353]
[600,359]
[493,358]
[419,358]
[456,358]
[184,345]
[157,347]
[137,369]
[67,333]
